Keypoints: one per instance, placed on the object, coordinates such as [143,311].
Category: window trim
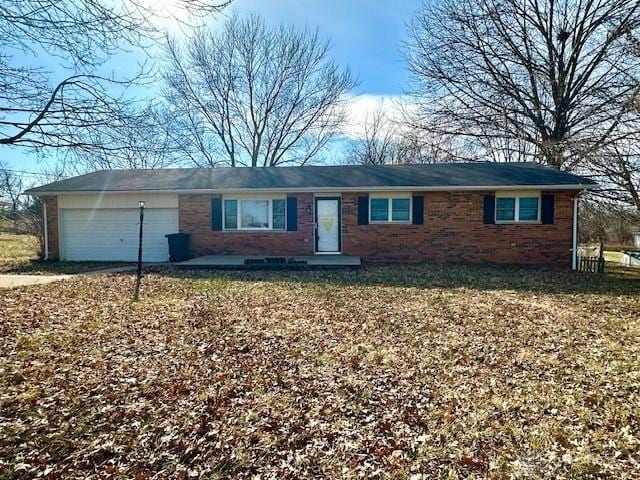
[516,214]
[390,196]
[258,198]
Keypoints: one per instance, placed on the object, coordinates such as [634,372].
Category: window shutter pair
[547,207]
[417,214]
[216,213]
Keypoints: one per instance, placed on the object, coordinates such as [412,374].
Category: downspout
[574,246]
[46,229]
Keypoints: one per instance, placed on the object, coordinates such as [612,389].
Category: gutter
[46,231]
[403,188]
[574,238]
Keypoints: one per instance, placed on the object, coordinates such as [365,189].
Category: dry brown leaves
[388,373]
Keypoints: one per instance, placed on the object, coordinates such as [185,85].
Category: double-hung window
[518,208]
[395,208]
[254,213]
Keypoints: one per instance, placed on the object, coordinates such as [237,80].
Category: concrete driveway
[11,281]
[17,280]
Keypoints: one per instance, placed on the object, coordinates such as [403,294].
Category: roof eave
[412,188]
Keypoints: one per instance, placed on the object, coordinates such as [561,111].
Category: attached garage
[106,228]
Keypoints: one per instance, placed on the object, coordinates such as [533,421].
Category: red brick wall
[453,231]
[52,226]
[195,218]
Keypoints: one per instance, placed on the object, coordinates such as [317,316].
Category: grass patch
[16,249]
[613,257]
[390,372]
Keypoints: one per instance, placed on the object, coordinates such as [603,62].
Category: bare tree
[554,76]
[617,165]
[11,187]
[609,221]
[254,95]
[388,141]
[144,144]
[378,143]
[617,168]
[38,110]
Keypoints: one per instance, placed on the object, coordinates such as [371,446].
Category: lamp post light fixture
[139,270]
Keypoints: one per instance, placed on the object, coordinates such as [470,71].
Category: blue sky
[365,35]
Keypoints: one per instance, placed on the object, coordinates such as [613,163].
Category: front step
[257,262]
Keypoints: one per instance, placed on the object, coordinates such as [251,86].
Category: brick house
[457,212]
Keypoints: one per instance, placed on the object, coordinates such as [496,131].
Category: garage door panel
[112,234]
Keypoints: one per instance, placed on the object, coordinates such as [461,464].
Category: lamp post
[139,271]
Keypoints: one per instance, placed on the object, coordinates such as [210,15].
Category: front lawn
[391,372]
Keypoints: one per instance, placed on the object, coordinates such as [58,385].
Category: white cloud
[361,108]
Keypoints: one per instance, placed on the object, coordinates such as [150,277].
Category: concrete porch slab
[266,262]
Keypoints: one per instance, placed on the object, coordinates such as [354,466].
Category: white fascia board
[410,188]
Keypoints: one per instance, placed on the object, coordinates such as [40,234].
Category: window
[279,208]
[505,209]
[528,211]
[389,209]
[400,209]
[255,214]
[518,208]
[231,214]
[379,209]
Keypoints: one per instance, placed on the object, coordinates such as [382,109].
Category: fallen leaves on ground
[392,372]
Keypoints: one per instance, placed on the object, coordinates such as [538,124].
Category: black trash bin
[178,246]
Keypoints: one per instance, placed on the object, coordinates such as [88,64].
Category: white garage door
[112,234]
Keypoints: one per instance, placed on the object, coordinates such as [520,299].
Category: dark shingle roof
[429,176]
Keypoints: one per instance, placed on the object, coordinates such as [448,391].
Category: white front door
[328,225]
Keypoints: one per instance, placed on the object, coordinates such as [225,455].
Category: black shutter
[363,210]
[418,210]
[489,209]
[292,214]
[216,213]
[548,202]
